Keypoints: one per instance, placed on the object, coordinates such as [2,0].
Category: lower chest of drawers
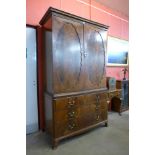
[74,113]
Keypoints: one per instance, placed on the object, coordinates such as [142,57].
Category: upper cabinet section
[75,53]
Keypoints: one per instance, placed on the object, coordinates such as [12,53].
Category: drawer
[104,104]
[101,104]
[66,127]
[89,99]
[104,114]
[66,121]
[104,96]
[119,93]
[96,98]
[66,115]
[70,120]
[98,113]
[116,94]
[66,103]
[77,101]
[112,94]
[101,115]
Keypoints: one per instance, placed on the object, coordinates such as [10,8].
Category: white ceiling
[119,5]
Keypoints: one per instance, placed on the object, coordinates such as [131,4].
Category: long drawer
[77,101]
[66,126]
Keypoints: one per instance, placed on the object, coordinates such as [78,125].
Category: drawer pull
[97,107]
[98,117]
[70,104]
[97,99]
[71,114]
[71,126]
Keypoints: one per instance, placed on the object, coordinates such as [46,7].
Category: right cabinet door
[94,56]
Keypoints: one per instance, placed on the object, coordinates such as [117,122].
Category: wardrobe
[75,93]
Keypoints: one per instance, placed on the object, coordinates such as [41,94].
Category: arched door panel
[67,56]
[94,55]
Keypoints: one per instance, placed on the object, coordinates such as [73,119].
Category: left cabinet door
[67,36]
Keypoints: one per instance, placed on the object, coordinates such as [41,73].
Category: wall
[90,9]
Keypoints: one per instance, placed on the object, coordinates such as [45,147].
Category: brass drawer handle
[69,100]
[70,104]
[97,99]
[98,117]
[71,126]
[97,107]
[71,114]
[98,96]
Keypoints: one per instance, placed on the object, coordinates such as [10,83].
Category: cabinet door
[94,56]
[67,35]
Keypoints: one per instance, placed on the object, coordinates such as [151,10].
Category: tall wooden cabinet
[75,79]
